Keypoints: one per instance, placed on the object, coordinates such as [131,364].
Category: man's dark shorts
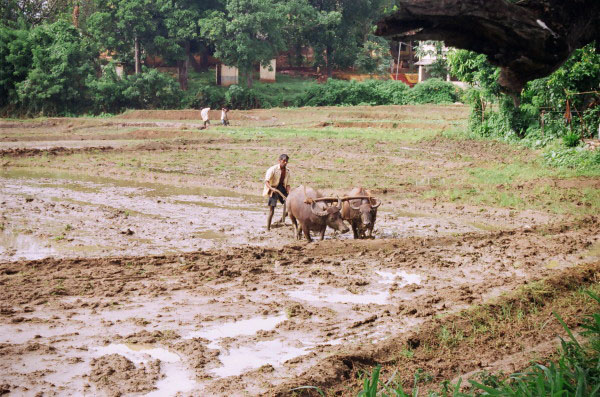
[273,199]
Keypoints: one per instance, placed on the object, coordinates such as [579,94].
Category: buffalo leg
[295,225]
[323,233]
[306,233]
[354,228]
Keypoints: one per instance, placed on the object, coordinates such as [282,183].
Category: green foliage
[370,92]
[434,91]
[249,32]
[15,61]
[61,65]
[107,92]
[571,139]
[576,373]
[150,89]
[573,158]
[209,96]
[475,69]
[374,57]
[577,81]
[117,23]
[243,98]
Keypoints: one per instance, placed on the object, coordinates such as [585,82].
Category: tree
[32,12]
[473,68]
[247,33]
[343,31]
[120,25]
[61,64]
[15,61]
[181,24]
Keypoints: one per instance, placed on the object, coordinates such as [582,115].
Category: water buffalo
[315,216]
[361,213]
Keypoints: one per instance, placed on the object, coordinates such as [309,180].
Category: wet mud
[136,287]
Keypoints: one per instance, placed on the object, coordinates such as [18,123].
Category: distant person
[277,187]
[224,118]
[204,115]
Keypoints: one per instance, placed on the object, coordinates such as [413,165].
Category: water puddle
[401,278]
[244,358]
[241,359]
[237,328]
[379,298]
[177,379]
[210,235]
[150,189]
[24,246]
[484,226]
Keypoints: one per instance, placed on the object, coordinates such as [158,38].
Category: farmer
[224,119]
[277,187]
[204,115]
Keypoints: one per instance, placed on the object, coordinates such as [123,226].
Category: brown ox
[311,215]
[361,213]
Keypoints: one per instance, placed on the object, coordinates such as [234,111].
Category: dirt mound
[471,341]
[186,114]
[115,375]
[55,151]
[385,124]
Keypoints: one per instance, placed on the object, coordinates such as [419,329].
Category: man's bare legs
[270,217]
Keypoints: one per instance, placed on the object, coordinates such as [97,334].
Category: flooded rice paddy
[148,283]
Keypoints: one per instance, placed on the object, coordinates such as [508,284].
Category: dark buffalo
[315,216]
[361,213]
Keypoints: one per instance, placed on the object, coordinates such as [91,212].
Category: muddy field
[134,257]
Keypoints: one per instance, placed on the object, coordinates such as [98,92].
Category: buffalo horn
[317,212]
[353,207]
[376,205]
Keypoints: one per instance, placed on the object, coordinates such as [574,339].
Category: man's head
[283,160]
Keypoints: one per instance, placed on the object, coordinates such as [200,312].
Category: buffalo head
[332,215]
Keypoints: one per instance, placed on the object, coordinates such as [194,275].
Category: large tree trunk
[249,79]
[183,67]
[527,39]
[329,60]
[137,55]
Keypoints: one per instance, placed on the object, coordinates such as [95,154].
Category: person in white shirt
[224,119]
[277,187]
[204,115]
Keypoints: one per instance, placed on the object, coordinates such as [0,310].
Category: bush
[150,89]
[209,96]
[243,98]
[61,64]
[571,139]
[348,93]
[107,92]
[434,91]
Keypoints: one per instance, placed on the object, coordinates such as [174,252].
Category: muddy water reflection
[177,379]
[116,217]
[24,246]
[238,328]
[332,295]
[244,358]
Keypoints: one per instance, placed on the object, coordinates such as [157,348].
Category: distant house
[428,58]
